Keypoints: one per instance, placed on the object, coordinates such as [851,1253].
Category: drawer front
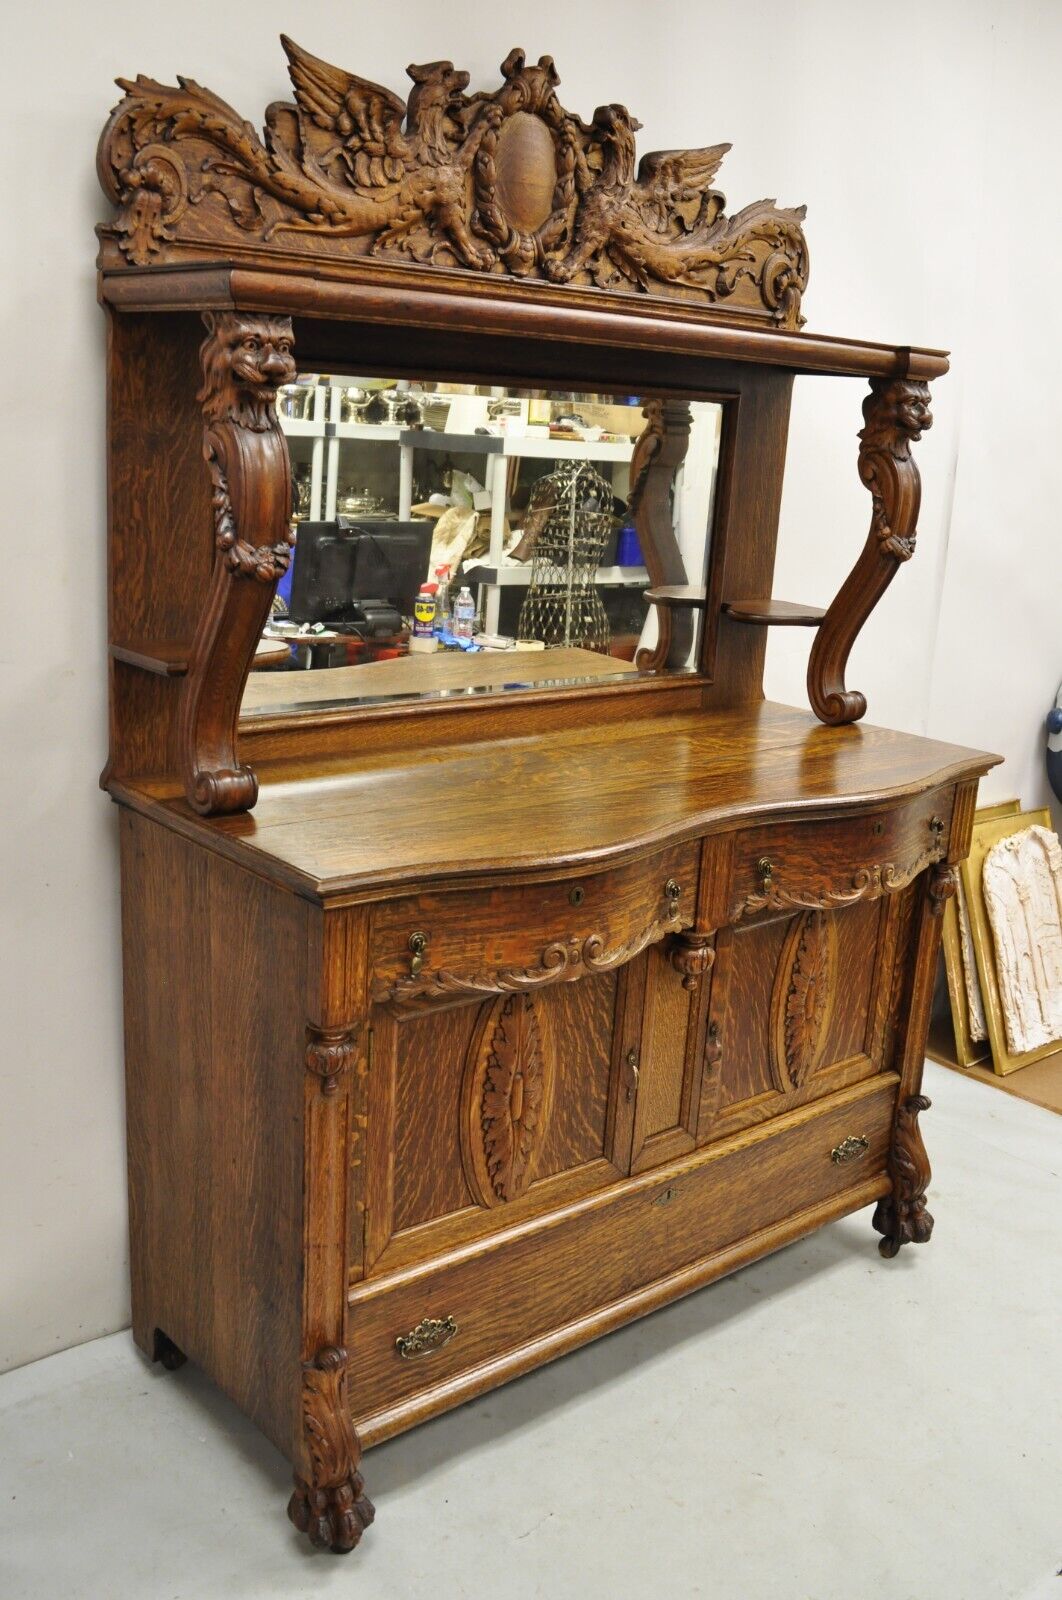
[451,1319]
[451,946]
[826,865]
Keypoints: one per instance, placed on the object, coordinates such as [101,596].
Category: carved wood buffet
[459,1032]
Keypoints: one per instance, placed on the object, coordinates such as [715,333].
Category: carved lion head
[245,358]
[896,412]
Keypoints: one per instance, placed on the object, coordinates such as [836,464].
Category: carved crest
[507,1097]
[803,1000]
[507,182]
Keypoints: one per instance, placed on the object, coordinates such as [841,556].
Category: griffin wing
[365,118]
[668,179]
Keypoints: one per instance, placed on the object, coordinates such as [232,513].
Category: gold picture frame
[986,834]
[967,1051]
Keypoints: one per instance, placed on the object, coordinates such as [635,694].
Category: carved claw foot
[329,1503]
[902,1217]
[334,1518]
[167,1352]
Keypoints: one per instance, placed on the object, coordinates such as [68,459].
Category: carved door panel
[481,1115]
[798,1007]
[666,1015]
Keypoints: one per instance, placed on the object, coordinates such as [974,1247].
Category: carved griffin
[504,182]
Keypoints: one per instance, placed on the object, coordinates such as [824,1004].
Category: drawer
[452,945]
[823,865]
[546,1275]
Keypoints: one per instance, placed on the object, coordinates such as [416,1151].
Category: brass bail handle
[418,944]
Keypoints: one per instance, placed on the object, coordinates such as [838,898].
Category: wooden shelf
[683,597]
[773,613]
[514,577]
[169,660]
[160,656]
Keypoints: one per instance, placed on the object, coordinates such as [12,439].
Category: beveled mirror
[530,501]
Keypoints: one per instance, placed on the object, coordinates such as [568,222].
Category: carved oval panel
[804,994]
[507,1098]
[525,171]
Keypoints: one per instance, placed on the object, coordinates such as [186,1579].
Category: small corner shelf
[773,613]
[682,597]
[163,657]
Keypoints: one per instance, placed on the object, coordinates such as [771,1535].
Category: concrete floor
[822,1424]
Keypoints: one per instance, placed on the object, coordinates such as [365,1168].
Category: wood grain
[631,1238]
[214,1028]
[613,795]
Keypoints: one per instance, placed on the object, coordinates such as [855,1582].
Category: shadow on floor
[521,1403]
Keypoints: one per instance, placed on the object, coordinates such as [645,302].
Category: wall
[920,138]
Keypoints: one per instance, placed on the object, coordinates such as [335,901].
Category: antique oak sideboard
[462,1030]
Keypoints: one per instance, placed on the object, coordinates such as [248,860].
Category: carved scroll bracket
[245,359]
[658,453]
[329,1503]
[902,1216]
[895,413]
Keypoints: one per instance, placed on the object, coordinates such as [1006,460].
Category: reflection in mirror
[454,540]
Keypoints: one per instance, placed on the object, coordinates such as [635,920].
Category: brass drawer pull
[673,893]
[429,1335]
[936,825]
[418,944]
[765,868]
[851,1149]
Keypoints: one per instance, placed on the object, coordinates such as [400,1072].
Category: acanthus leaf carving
[691,954]
[507,181]
[562,961]
[329,1054]
[803,1000]
[507,1097]
[866,883]
[895,414]
[329,1503]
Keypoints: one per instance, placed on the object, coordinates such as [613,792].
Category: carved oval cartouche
[506,1100]
[525,171]
[805,989]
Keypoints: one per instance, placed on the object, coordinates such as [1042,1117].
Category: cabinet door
[483,1115]
[668,1060]
[799,1006]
